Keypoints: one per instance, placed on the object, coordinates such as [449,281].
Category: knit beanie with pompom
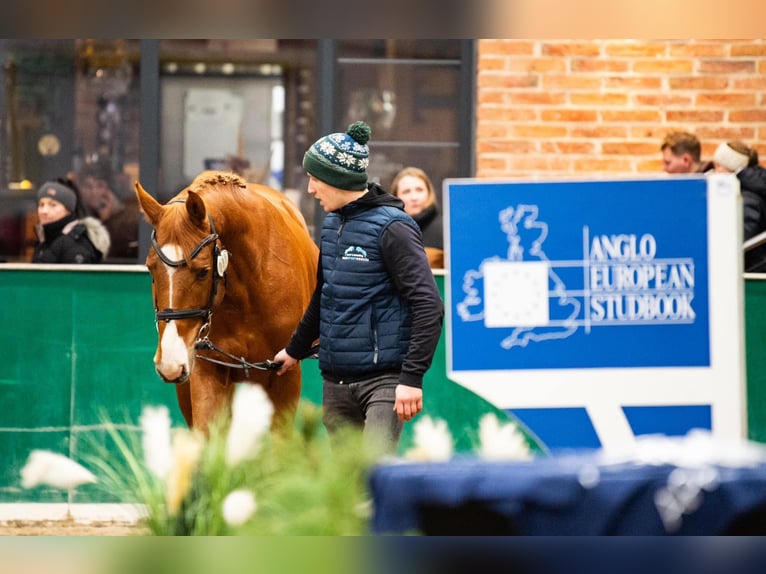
[341,160]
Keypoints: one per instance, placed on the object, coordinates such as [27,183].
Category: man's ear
[688,162]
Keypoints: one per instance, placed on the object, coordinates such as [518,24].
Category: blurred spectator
[120,214]
[64,234]
[738,158]
[413,186]
[681,154]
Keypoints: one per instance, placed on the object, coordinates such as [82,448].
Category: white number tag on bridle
[223,262]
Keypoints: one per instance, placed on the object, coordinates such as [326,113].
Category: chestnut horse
[233,267]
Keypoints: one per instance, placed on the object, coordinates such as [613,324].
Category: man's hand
[408,403]
[287,361]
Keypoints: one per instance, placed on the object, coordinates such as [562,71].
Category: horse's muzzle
[182,378]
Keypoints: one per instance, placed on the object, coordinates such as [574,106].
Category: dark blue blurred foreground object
[566,496]
[568,555]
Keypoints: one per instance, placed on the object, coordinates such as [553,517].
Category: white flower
[346,158]
[327,149]
[238,507]
[432,441]
[156,441]
[57,470]
[251,413]
[501,441]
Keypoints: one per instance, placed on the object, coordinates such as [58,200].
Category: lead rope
[204,343]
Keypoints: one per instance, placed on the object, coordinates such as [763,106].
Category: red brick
[568,115]
[537,98]
[694,116]
[537,131]
[631,115]
[568,147]
[629,148]
[663,66]
[571,48]
[599,99]
[664,100]
[506,47]
[507,81]
[633,83]
[591,65]
[698,83]
[758,50]
[599,131]
[695,50]
[631,49]
[528,65]
[727,66]
[726,100]
[756,115]
[570,82]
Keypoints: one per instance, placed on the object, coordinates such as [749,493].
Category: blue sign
[596,311]
[578,274]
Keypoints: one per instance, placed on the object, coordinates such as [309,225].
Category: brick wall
[600,107]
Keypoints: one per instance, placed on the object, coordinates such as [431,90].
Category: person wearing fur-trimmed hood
[64,236]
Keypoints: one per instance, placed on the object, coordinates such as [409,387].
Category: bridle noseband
[220,262]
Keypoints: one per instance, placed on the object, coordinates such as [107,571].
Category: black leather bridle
[206,312]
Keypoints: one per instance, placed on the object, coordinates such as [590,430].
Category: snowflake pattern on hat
[341,159]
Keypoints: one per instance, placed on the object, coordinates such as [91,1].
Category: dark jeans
[367,405]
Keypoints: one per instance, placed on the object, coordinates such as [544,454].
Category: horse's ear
[196,208]
[151,208]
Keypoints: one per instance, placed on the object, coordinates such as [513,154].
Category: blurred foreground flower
[187,448]
[251,413]
[239,478]
[501,441]
[156,440]
[432,441]
[238,507]
[53,469]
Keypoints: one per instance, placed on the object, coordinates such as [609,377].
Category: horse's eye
[202,273]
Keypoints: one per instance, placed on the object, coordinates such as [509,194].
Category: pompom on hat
[341,159]
[58,192]
[730,159]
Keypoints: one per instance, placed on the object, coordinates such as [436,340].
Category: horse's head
[188,268]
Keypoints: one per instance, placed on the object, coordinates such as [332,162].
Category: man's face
[676,163]
[329,197]
[95,193]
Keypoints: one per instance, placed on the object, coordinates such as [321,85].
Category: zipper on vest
[375,347]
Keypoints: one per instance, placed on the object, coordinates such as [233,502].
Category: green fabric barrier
[77,349]
[77,353]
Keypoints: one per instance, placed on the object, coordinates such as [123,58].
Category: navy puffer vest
[365,326]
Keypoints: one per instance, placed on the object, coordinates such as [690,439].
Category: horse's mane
[207,185]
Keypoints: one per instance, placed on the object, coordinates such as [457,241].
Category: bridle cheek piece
[220,263]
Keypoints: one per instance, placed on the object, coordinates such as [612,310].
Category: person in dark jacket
[738,158]
[376,309]
[120,215]
[63,237]
[413,186]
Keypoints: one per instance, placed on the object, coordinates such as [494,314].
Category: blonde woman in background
[413,186]
[738,158]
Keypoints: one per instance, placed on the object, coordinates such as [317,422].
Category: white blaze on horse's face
[172,357]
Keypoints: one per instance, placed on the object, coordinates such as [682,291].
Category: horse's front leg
[211,393]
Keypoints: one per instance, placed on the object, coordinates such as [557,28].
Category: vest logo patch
[355,253]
